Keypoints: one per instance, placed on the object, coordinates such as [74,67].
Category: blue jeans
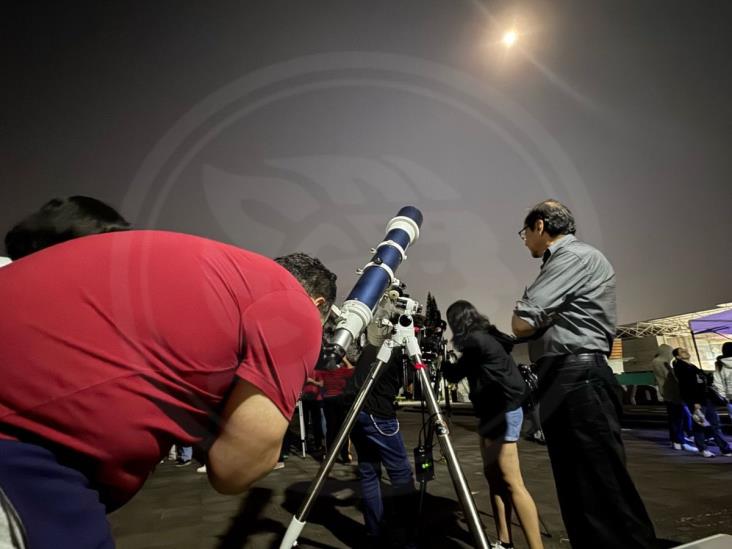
[378,441]
[57,505]
[714,430]
[184,452]
[676,421]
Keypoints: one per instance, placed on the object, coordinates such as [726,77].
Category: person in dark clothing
[693,386]
[334,406]
[569,316]
[668,389]
[497,391]
[312,409]
[378,442]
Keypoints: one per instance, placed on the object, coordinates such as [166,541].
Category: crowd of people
[123,343]
[692,397]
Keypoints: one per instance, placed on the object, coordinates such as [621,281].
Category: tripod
[402,337]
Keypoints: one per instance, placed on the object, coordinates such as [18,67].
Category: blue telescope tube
[378,275]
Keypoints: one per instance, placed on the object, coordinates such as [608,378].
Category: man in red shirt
[116,345]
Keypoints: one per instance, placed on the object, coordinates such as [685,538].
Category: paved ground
[687,496]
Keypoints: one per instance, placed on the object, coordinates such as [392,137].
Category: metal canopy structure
[678,325]
[717,323]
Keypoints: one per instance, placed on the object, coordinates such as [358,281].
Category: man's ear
[539,226]
[318,302]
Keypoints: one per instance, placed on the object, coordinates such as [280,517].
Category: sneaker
[727,454]
[279,465]
[689,447]
[201,469]
[501,545]
[707,454]
[677,446]
[180,462]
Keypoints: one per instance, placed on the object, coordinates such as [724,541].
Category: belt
[576,358]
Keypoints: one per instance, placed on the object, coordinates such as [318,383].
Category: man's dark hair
[556,216]
[464,318]
[59,220]
[315,277]
[675,352]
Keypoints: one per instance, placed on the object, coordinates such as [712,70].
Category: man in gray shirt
[569,315]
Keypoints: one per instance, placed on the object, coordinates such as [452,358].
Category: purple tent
[718,323]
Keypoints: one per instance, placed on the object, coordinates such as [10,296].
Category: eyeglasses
[522,233]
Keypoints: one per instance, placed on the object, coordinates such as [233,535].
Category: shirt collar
[551,250]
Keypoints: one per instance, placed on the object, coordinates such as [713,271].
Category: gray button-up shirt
[572,301]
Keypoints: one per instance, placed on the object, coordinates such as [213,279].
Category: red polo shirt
[117,345]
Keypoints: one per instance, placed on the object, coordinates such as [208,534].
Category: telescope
[376,277]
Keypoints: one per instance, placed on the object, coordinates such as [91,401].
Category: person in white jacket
[723,374]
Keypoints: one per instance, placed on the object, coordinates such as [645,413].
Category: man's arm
[718,382]
[557,282]
[315,381]
[250,440]
[283,336]
[520,327]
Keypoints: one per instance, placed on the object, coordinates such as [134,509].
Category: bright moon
[509,38]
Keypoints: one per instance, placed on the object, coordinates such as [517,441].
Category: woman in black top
[496,391]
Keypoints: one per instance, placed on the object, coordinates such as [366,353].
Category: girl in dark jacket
[496,391]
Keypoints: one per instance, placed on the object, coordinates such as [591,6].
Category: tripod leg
[299,520]
[456,473]
[303,434]
[546,532]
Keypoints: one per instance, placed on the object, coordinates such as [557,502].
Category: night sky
[280,126]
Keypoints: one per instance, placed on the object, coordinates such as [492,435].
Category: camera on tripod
[432,338]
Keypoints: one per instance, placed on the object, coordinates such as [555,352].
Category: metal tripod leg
[456,473]
[546,533]
[303,433]
[299,520]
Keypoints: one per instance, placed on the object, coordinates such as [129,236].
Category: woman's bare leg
[499,494]
[508,463]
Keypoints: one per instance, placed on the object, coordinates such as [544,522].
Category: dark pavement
[687,496]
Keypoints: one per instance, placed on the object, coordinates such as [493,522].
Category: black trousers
[580,410]
[676,420]
[313,422]
[335,413]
